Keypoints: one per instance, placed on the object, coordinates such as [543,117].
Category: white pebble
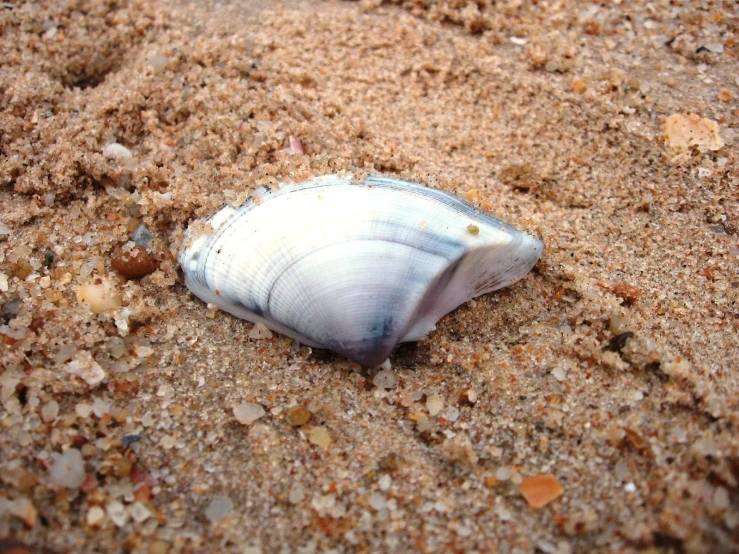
[260,331]
[559,374]
[220,506]
[117,151]
[158,62]
[143,351]
[503,474]
[138,512]
[86,368]
[100,407]
[384,482]
[83,410]
[50,411]
[385,379]
[69,469]
[94,515]
[434,404]
[248,413]
[117,513]
[99,296]
[451,414]
[630,487]
[65,353]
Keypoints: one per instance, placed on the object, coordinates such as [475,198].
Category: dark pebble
[48,259]
[128,440]
[618,342]
[10,309]
[134,264]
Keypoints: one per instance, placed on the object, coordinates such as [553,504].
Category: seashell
[353,268]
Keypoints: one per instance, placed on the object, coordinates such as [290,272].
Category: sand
[529,421]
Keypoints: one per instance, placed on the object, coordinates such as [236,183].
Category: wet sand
[118,427]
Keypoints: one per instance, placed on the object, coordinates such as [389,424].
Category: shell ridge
[270,308]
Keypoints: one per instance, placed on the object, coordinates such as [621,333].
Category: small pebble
[628,293]
[142,236]
[128,440]
[158,62]
[134,264]
[384,482]
[320,437]
[20,269]
[116,347]
[385,379]
[260,331]
[138,512]
[117,151]
[619,324]
[389,462]
[117,513]
[618,342]
[559,374]
[423,423]
[295,146]
[685,131]
[99,295]
[220,506]
[65,353]
[248,413]
[434,404]
[540,490]
[100,407]
[298,415]
[578,86]
[10,309]
[450,413]
[83,410]
[68,470]
[50,411]
[95,516]
[143,350]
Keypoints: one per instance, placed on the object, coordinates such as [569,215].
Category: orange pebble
[540,490]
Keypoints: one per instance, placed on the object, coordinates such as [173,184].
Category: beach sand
[609,130]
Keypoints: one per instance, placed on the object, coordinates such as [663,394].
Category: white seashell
[354,268]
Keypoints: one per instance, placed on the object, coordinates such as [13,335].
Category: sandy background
[550,116]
